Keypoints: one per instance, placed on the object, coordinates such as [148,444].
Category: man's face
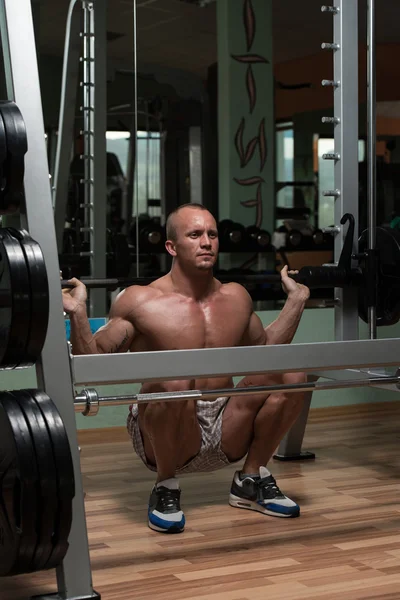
[196,238]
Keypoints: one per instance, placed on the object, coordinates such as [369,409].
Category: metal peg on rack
[333,120]
[330,83]
[330,46]
[331,230]
[334,193]
[330,9]
[331,156]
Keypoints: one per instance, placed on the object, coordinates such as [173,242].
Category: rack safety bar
[88,400]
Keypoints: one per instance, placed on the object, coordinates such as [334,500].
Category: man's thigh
[188,440]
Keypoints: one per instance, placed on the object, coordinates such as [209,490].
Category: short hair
[170,224]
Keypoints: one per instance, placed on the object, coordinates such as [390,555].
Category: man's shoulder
[235,291]
[140,293]
[132,297]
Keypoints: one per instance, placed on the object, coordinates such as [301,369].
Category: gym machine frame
[74,579]
[345,122]
[86,44]
[58,372]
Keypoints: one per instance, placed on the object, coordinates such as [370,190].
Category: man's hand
[74,298]
[291,287]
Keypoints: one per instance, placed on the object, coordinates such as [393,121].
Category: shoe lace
[169,499]
[268,488]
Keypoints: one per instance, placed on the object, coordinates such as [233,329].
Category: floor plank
[346,544]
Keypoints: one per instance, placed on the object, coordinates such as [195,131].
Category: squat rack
[58,372]
[74,579]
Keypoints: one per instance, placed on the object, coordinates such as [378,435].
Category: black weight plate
[14,166]
[388,301]
[48,500]
[65,475]
[20,492]
[6,306]
[14,281]
[39,289]
[3,154]
[10,489]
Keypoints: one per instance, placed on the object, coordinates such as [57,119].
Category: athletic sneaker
[164,512]
[260,493]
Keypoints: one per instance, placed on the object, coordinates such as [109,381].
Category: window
[285,163]
[327,180]
[148,171]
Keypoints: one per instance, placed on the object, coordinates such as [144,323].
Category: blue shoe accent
[164,512]
[287,511]
[161,524]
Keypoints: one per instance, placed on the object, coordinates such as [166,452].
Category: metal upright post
[87,84]
[345,192]
[94,108]
[134,132]
[53,370]
[95,112]
[371,148]
[346,112]
[66,122]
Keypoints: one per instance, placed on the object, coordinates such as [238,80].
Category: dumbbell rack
[74,578]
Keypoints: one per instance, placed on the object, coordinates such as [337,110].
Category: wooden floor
[346,543]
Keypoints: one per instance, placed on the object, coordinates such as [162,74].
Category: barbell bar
[113,283]
[88,401]
[321,277]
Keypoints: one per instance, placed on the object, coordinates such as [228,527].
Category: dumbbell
[318,240]
[257,239]
[151,236]
[318,237]
[294,239]
[231,236]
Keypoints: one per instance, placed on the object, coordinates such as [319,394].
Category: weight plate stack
[15,308]
[65,480]
[39,293]
[18,490]
[48,513]
[12,192]
[388,297]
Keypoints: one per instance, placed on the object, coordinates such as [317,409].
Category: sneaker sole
[173,529]
[237,502]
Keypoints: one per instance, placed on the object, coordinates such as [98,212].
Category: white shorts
[210,457]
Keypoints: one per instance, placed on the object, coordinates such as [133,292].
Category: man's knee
[287,400]
[159,414]
[294,378]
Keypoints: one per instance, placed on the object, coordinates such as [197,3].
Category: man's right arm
[116,336]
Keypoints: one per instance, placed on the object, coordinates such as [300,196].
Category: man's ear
[170,247]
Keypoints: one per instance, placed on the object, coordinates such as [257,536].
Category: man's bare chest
[177,325]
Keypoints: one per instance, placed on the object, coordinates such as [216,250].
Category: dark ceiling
[180,34]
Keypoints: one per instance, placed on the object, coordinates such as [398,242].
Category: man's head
[192,236]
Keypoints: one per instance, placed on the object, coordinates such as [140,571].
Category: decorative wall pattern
[246,154]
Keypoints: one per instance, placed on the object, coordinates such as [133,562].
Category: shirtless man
[189,308]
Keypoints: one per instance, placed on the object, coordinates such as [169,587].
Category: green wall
[316,326]
[246,126]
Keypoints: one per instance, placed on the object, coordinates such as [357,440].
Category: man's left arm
[283,329]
